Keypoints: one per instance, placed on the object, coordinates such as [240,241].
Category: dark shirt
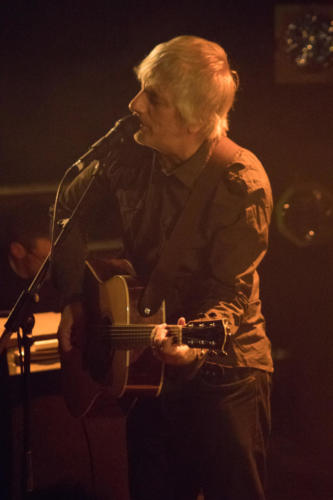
[218,277]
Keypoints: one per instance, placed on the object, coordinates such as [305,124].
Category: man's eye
[152,96]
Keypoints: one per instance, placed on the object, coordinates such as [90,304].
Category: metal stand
[25,342]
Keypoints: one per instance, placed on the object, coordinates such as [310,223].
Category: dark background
[66,76]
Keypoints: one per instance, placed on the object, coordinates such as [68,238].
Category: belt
[216,374]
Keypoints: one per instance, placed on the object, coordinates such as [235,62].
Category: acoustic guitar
[116,359]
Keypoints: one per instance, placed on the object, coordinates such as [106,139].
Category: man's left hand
[169,352]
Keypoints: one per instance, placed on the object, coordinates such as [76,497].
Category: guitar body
[133,371]
[96,376]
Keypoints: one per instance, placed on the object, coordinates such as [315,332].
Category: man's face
[161,125]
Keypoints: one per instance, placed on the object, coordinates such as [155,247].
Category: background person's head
[27,237]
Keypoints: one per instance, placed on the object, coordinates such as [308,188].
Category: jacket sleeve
[240,216]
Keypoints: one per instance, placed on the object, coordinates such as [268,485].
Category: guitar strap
[164,274]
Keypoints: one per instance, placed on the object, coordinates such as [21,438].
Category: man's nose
[137,103]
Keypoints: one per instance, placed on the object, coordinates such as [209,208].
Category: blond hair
[197,73]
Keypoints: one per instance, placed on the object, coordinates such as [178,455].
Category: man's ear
[194,128]
[17,250]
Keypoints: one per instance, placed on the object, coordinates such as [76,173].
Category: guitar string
[137,332]
[143,329]
[145,338]
[142,334]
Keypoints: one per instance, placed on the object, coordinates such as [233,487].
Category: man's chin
[139,138]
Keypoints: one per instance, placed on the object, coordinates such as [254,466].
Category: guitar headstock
[204,334]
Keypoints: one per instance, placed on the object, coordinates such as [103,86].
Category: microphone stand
[21,319]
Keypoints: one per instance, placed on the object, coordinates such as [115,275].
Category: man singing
[208,429]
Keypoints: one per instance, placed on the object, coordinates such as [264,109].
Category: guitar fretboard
[135,336]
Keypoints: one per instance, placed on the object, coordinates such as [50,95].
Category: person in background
[25,246]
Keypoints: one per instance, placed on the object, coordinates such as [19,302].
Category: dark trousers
[209,434]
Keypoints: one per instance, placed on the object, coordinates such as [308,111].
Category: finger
[159,333]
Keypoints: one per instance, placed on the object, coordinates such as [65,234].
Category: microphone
[125,127]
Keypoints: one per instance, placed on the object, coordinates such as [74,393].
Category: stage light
[303,43]
[309,42]
[304,214]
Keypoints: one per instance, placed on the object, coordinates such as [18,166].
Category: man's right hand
[72,327]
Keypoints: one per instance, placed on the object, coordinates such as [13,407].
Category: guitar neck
[207,335]
[135,336]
